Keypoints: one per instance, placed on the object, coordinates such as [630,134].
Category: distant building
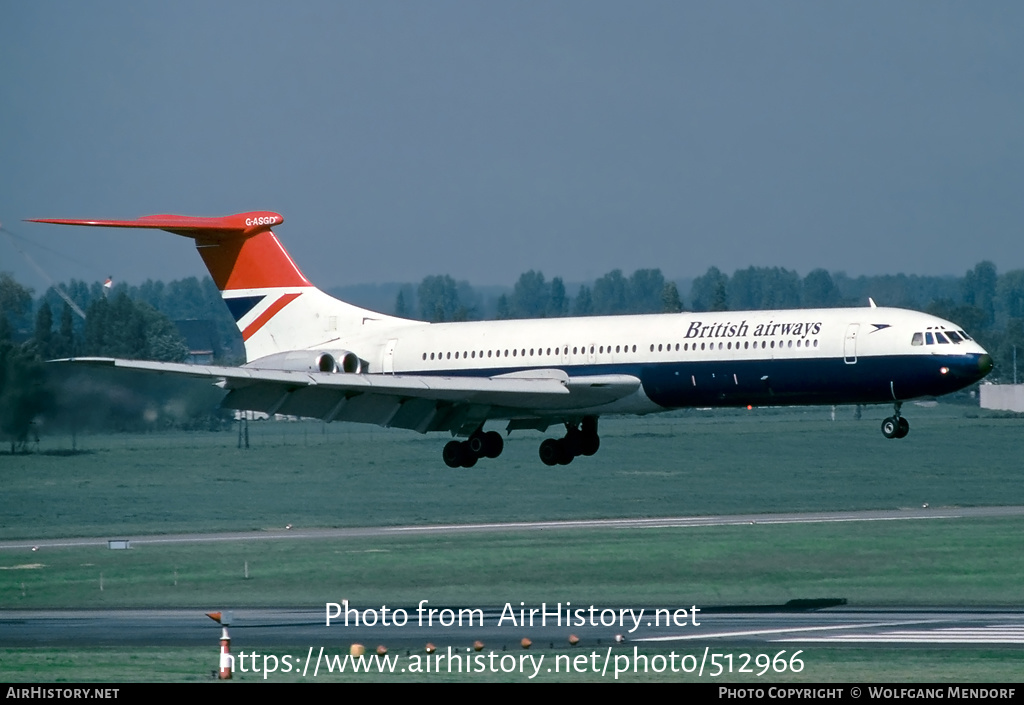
[1005,397]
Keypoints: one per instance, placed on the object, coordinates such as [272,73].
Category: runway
[714,625]
[904,514]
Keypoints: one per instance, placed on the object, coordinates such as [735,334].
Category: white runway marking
[784,630]
[995,634]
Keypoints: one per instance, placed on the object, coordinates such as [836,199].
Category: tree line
[115,325]
[136,321]
[440,298]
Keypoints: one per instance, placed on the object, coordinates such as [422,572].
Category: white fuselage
[728,358]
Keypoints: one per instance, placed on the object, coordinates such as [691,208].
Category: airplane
[309,354]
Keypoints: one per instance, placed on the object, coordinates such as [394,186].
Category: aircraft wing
[419,402]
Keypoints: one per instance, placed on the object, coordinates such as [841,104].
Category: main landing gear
[895,426]
[580,439]
[480,444]
[577,441]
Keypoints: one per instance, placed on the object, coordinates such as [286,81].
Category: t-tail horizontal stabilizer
[243,224]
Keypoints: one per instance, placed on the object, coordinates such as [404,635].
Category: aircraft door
[850,344]
[387,363]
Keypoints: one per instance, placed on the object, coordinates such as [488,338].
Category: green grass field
[694,463]
[963,562]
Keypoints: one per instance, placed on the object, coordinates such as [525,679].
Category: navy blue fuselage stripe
[241,305]
[872,379]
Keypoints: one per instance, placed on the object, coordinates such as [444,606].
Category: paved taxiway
[659,523]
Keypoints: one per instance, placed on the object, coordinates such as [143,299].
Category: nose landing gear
[895,426]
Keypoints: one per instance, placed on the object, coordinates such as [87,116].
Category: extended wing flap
[594,390]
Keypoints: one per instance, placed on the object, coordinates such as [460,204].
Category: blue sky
[484,139]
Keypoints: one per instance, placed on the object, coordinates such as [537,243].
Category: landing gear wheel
[890,427]
[493,444]
[572,444]
[566,451]
[579,439]
[469,458]
[590,443]
[904,428]
[452,454]
[549,452]
[895,426]
[476,444]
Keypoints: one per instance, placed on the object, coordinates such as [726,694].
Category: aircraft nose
[984,364]
[968,369]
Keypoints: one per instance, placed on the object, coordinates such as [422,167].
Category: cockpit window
[944,337]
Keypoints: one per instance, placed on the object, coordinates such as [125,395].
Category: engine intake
[311,361]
